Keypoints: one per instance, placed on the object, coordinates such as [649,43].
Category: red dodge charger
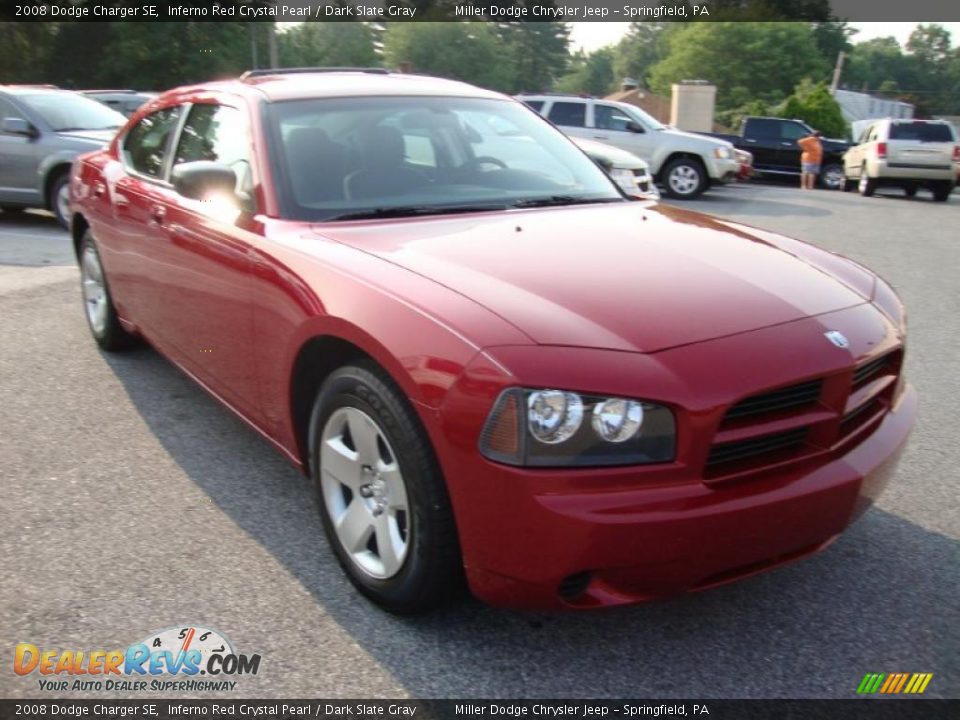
[495,368]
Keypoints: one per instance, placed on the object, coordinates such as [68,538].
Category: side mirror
[18,126]
[198,180]
[634,127]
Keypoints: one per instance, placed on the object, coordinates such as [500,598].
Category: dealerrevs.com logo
[187,658]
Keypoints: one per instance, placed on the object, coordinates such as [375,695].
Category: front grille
[786,398]
[865,373]
[743,449]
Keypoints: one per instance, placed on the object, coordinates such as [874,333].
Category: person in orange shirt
[810,160]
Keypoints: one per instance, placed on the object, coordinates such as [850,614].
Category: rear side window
[145,147]
[534,104]
[8,109]
[216,133]
[921,131]
[569,114]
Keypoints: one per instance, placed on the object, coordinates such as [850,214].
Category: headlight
[625,179]
[722,153]
[543,428]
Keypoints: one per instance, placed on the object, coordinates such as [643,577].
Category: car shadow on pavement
[882,599]
[750,205]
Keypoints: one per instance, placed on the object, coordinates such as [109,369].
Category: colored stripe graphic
[894,683]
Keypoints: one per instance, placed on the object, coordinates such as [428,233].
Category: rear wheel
[848,184]
[910,190]
[941,191]
[684,178]
[866,185]
[382,498]
[831,177]
[98,306]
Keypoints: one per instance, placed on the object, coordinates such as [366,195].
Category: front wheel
[684,178]
[98,305]
[831,177]
[381,495]
[59,199]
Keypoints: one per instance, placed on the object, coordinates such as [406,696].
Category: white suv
[683,163]
[909,154]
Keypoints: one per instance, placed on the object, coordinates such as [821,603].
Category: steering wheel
[475,163]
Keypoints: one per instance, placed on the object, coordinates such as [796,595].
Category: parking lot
[133,502]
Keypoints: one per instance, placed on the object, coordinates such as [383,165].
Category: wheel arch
[682,155]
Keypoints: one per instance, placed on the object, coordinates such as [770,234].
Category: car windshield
[350,158]
[644,118]
[66,111]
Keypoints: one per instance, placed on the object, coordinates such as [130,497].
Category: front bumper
[722,171]
[589,537]
[593,550]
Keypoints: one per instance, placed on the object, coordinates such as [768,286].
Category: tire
[379,486]
[866,185]
[831,177]
[98,305]
[910,190]
[684,178]
[58,199]
[12,209]
[848,184]
[941,191]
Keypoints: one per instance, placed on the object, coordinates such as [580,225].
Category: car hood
[699,140]
[619,158]
[623,277]
[94,137]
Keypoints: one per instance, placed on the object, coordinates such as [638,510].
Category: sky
[593,35]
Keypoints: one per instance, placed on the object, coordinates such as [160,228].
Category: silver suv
[909,154]
[41,131]
[685,164]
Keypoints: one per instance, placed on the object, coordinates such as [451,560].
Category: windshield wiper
[416,210]
[557,200]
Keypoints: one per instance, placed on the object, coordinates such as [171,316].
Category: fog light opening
[573,586]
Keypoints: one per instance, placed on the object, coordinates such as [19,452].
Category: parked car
[909,154]
[685,164]
[773,143]
[42,129]
[627,170]
[514,375]
[126,102]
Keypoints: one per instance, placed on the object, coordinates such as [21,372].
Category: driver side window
[217,133]
[607,117]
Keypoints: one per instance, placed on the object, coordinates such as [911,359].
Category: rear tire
[941,191]
[684,178]
[910,190]
[381,495]
[98,305]
[866,185]
[848,184]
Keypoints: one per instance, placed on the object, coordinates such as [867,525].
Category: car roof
[279,86]
[32,90]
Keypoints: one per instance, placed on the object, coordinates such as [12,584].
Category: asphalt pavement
[132,502]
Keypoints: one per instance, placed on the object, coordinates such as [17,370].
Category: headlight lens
[546,427]
[723,153]
[553,416]
[617,420]
[625,179]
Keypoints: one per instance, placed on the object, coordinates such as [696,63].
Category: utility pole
[272,44]
[253,45]
[836,72]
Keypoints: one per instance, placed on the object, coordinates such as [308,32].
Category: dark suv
[42,130]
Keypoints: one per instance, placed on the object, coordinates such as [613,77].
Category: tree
[640,49]
[591,74]
[314,44]
[24,50]
[745,60]
[813,103]
[538,52]
[468,51]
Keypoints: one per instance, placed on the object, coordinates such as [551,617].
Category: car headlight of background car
[625,179]
[722,153]
[559,428]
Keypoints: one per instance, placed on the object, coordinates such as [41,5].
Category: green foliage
[745,60]
[537,51]
[591,74]
[469,51]
[733,118]
[316,44]
[640,49]
[814,104]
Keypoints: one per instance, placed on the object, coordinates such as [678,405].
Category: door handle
[750,140]
[600,137]
[99,189]
[787,144]
[158,213]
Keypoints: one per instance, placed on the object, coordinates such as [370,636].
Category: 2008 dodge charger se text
[495,367]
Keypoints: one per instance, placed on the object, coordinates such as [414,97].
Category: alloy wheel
[94,290]
[364,493]
[684,179]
